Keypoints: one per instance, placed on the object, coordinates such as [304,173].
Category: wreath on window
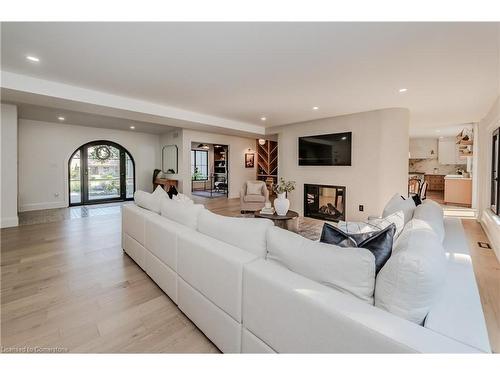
[103,153]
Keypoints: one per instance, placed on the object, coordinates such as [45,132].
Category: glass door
[103,173]
[99,172]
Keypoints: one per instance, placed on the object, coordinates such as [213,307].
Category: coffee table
[288,221]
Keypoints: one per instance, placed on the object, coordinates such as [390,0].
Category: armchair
[253,196]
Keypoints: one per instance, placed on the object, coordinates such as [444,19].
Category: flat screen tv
[326,149]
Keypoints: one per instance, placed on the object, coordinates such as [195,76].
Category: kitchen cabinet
[423,148]
[448,152]
[435,181]
[458,191]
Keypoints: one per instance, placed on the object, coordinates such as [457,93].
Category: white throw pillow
[182,198]
[254,188]
[246,233]
[410,281]
[397,203]
[150,201]
[432,213]
[182,213]
[349,270]
[373,225]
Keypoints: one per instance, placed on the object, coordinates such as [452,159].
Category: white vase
[281,204]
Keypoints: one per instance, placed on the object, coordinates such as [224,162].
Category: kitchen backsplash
[428,165]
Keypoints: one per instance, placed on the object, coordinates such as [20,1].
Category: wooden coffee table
[288,221]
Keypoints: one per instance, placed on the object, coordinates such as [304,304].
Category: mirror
[169,159]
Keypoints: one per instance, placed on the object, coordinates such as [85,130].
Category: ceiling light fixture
[32,58]
[315,108]
[60,118]
[263,119]
[132,127]
[344,138]
[403,90]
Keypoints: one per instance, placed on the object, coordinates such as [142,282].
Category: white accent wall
[380,144]
[44,151]
[8,135]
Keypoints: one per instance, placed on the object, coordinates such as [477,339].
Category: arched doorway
[100,172]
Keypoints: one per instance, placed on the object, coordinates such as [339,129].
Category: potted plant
[281,203]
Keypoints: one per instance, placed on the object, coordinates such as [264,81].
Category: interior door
[104,173]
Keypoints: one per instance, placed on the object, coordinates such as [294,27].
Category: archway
[100,172]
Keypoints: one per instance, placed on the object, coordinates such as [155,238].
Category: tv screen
[327,149]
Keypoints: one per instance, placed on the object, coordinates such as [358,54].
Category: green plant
[284,186]
[197,175]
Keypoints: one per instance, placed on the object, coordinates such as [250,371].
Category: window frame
[194,165]
[495,163]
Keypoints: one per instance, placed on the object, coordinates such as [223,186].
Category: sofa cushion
[246,233]
[397,203]
[378,242]
[254,188]
[182,213]
[182,198]
[350,270]
[254,198]
[432,213]
[410,281]
[150,201]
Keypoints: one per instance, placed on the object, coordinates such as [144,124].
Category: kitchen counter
[458,190]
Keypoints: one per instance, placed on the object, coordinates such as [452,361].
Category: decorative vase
[281,204]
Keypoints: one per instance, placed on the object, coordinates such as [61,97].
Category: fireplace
[325,202]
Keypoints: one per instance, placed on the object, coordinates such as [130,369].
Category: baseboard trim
[492,229]
[41,206]
[7,222]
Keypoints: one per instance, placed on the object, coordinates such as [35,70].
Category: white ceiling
[242,71]
[39,113]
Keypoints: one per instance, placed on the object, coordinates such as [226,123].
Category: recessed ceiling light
[315,108]
[344,138]
[60,118]
[263,119]
[32,58]
[132,127]
[403,90]
[438,131]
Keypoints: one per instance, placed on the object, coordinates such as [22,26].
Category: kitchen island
[458,190]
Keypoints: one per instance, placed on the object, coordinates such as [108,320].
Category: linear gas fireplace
[326,202]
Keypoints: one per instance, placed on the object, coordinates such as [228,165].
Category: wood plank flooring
[66,285]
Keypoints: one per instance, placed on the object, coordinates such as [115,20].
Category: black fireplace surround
[325,202]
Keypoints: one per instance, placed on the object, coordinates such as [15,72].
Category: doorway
[100,172]
[209,170]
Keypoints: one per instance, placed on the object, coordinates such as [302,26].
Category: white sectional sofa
[218,275]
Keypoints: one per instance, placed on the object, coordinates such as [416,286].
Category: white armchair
[253,196]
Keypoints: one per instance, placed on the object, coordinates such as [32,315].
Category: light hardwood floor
[67,284]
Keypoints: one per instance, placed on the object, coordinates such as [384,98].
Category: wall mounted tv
[326,149]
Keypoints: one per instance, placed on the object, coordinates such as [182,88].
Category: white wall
[482,145]
[44,151]
[380,143]
[238,146]
[8,135]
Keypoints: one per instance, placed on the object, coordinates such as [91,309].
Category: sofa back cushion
[350,270]
[411,280]
[151,201]
[397,203]
[182,213]
[254,187]
[432,213]
[246,233]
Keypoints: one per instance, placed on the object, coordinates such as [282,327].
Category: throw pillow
[379,243]
[416,199]
[172,191]
[398,203]
[373,225]
[254,188]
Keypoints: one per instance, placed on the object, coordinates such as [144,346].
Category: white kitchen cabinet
[448,152]
[423,148]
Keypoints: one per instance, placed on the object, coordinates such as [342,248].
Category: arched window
[99,172]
